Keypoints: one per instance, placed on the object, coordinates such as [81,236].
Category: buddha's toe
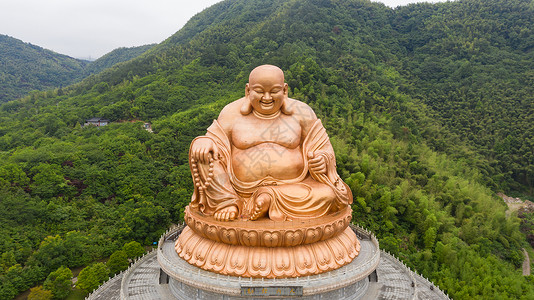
[261,206]
[232,215]
[226,214]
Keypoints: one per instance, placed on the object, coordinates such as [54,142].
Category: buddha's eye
[275,90]
[258,91]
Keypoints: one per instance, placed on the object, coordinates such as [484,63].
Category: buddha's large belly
[267,159]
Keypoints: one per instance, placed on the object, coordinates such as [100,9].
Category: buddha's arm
[318,159]
[319,143]
[323,162]
[203,147]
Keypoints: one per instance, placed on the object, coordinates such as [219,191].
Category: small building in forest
[147,127]
[96,122]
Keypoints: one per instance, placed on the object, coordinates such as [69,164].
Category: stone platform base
[147,280]
[351,281]
[351,292]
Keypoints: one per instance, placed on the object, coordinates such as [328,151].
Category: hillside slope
[418,183]
[114,57]
[25,67]
[473,63]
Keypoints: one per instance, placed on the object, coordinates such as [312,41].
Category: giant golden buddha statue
[268,201]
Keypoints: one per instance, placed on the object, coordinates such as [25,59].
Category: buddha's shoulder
[233,106]
[230,113]
[300,110]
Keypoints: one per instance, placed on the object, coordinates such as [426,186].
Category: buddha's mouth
[267,103]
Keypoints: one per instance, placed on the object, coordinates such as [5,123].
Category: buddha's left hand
[316,163]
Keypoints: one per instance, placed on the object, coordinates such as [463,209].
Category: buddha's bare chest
[249,131]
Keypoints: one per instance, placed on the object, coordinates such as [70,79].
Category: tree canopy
[26,67]
[428,107]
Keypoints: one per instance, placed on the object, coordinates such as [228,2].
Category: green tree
[13,174]
[118,261]
[144,221]
[59,282]
[17,278]
[7,260]
[7,290]
[38,293]
[430,237]
[78,251]
[51,253]
[49,181]
[92,276]
[133,249]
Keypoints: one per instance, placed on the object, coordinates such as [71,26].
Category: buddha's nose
[267,96]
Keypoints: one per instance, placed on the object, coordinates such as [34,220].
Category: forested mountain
[114,57]
[473,64]
[25,67]
[428,107]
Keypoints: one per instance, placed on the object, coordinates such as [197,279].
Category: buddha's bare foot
[228,213]
[261,206]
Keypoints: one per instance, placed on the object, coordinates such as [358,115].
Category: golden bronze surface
[267,233]
[268,261]
[268,201]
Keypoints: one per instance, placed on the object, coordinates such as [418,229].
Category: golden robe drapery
[307,195]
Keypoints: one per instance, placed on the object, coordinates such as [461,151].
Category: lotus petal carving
[239,249]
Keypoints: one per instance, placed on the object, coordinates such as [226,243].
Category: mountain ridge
[24,63]
[25,67]
[420,184]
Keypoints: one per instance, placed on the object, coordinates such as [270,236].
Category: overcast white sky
[92,28]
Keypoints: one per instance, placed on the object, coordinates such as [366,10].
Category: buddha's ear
[286,110]
[246,108]
[247,90]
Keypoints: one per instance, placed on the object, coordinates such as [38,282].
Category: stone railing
[138,261]
[430,283]
[363,233]
[171,234]
[406,269]
[104,286]
[339,275]
[413,274]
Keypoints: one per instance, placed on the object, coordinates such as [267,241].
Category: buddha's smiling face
[266,89]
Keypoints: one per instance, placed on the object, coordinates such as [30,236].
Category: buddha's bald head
[263,71]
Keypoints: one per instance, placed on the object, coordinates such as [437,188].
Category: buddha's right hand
[201,149]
